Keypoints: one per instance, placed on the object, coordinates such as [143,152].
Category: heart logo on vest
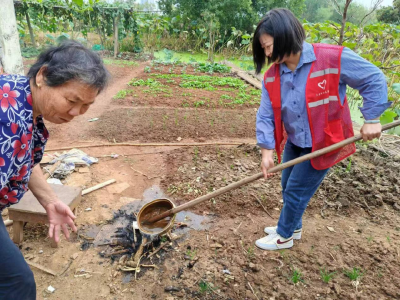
[322,84]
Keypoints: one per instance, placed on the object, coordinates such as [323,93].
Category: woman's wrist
[375,121]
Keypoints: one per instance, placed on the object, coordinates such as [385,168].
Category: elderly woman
[304,94]
[61,85]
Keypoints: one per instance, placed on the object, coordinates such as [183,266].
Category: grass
[353,274]
[250,252]
[206,287]
[191,253]
[296,276]
[122,94]
[326,276]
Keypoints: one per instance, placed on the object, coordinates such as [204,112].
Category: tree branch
[374,7]
[391,67]
[336,7]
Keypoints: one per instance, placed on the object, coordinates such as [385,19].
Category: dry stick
[98,186]
[116,252]
[44,269]
[235,230]
[137,267]
[150,266]
[259,201]
[67,267]
[252,290]
[260,175]
[148,177]
[148,145]
[157,250]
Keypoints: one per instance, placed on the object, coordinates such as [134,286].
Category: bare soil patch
[167,125]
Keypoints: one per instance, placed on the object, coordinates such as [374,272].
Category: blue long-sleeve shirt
[355,72]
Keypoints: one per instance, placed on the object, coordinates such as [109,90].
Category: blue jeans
[299,183]
[16,278]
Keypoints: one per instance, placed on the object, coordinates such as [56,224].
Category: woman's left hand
[371,131]
[59,215]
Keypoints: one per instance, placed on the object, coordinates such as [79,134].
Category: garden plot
[350,245]
[181,102]
[351,235]
[188,86]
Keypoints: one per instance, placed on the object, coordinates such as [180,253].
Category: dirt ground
[352,223]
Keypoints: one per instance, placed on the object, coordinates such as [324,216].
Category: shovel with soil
[158,216]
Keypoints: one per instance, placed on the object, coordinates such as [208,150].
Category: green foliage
[205,287]
[212,68]
[120,62]
[80,16]
[296,276]
[149,82]
[122,94]
[353,274]
[191,253]
[326,276]
[321,11]
[29,52]
[389,14]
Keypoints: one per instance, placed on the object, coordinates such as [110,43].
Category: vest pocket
[334,133]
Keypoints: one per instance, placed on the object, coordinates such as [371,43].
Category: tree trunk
[344,18]
[10,52]
[115,37]
[28,20]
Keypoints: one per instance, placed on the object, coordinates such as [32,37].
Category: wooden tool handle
[259,175]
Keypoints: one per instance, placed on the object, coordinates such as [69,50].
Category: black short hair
[288,34]
[70,60]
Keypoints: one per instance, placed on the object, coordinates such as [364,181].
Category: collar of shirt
[306,56]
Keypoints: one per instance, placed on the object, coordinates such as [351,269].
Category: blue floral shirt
[22,140]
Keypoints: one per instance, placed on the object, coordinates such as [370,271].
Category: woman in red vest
[304,108]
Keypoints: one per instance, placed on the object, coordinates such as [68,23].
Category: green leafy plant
[191,253]
[205,287]
[122,94]
[296,276]
[354,274]
[326,276]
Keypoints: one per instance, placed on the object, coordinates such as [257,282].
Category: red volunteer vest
[330,121]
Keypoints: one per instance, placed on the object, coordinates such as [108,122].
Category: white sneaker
[274,242]
[272,230]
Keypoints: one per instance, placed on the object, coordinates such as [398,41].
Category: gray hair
[71,61]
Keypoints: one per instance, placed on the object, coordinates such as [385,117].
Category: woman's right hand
[267,161]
